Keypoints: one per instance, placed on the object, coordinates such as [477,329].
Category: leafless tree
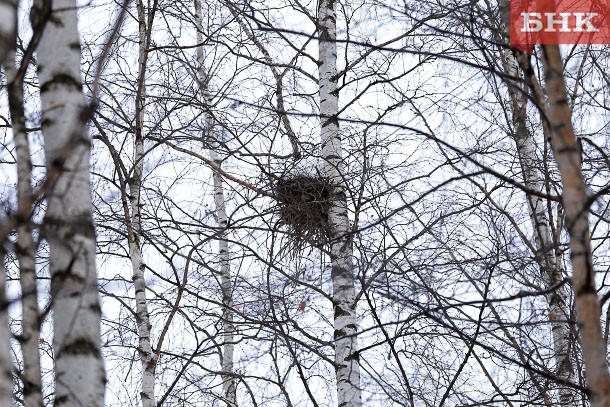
[434,269]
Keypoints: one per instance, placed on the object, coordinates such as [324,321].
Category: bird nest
[303,205]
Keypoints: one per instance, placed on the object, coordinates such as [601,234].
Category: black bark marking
[61,79]
[354,356]
[68,228]
[340,312]
[80,346]
[330,120]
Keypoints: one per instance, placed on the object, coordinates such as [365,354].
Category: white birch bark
[134,224]
[551,270]
[8,35]
[6,377]
[567,155]
[25,250]
[347,366]
[68,225]
[229,383]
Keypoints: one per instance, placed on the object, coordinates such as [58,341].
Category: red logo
[559,22]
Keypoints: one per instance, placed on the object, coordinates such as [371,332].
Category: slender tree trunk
[8,35]
[347,366]
[551,270]
[148,362]
[26,252]
[229,383]
[567,155]
[68,225]
[6,365]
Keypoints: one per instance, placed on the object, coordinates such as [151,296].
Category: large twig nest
[303,205]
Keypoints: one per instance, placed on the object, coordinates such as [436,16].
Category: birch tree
[134,219]
[347,366]
[25,249]
[229,382]
[455,295]
[6,365]
[576,203]
[557,121]
[545,236]
[551,270]
[68,224]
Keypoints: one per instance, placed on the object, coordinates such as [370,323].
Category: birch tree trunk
[68,225]
[8,35]
[347,366]
[229,383]
[6,376]
[30,325]
[25,250]
[551,270]
[567,155]
[134,224]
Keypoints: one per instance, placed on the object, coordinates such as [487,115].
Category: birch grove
[312,203]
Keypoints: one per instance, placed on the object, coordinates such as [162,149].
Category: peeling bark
[68,224]
[347,367]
